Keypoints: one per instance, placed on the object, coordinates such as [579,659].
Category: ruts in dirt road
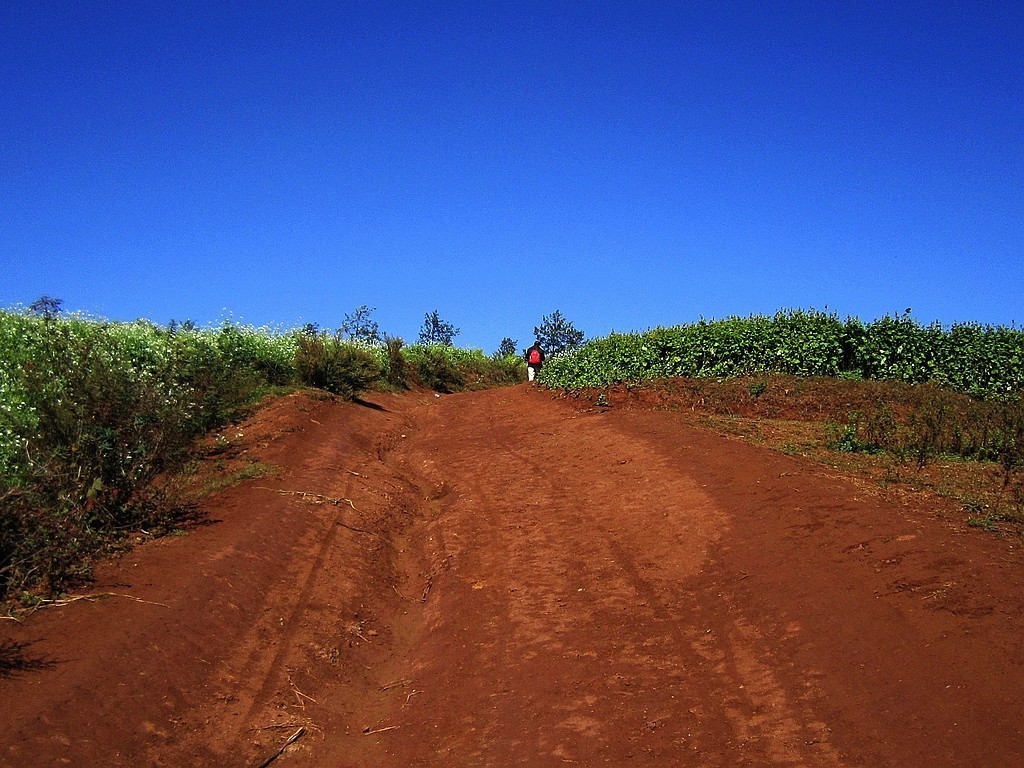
[506,578]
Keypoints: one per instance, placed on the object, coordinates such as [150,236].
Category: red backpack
[534,356]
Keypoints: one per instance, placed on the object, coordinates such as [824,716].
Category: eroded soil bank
[501,578]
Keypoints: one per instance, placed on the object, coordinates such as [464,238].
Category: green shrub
[507,370]
[103,416]
[434,367]
[451,369]
[396,363]
[343,368]
[982,361]
[93,413]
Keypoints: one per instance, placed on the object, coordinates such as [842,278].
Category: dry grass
[802,416]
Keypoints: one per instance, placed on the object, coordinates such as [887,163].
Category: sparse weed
[249,471]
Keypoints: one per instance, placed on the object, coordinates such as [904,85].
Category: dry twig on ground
[291,740]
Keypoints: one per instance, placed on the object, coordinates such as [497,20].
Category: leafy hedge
[92,413]
[980,360]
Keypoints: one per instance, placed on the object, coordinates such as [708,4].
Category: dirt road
[503,578]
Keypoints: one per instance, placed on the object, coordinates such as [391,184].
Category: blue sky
[630,164]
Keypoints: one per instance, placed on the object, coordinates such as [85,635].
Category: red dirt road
[502,578]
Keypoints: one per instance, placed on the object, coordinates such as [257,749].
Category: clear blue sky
[632,164]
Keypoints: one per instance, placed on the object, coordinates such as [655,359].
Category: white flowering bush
[92,412]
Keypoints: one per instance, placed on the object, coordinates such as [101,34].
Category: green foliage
[449,369]
[898,348]
[437,331]
[483,372]
[396,367]
[556,334]
[980,360]
[222,369]
[339,367]
[433,367]
[92,413]
[983,361]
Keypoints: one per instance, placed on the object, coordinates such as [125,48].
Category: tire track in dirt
[250,610]
[901,631]
[664,596]
[533,584]
[267,688]
[569,628]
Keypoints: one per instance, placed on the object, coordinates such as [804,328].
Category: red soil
[502,578]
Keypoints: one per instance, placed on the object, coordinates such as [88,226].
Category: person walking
[534,360]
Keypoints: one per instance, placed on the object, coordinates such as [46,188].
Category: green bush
[93,413]
[434,367]
[102,416]
[451,369]
[983,361]
[396,367]
[341,367]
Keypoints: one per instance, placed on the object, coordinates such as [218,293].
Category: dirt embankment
[500,578]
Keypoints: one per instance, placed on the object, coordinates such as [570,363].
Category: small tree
[185,326]
[359,326]
[46,306]
[507,348]
[437,331]
[556,334]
